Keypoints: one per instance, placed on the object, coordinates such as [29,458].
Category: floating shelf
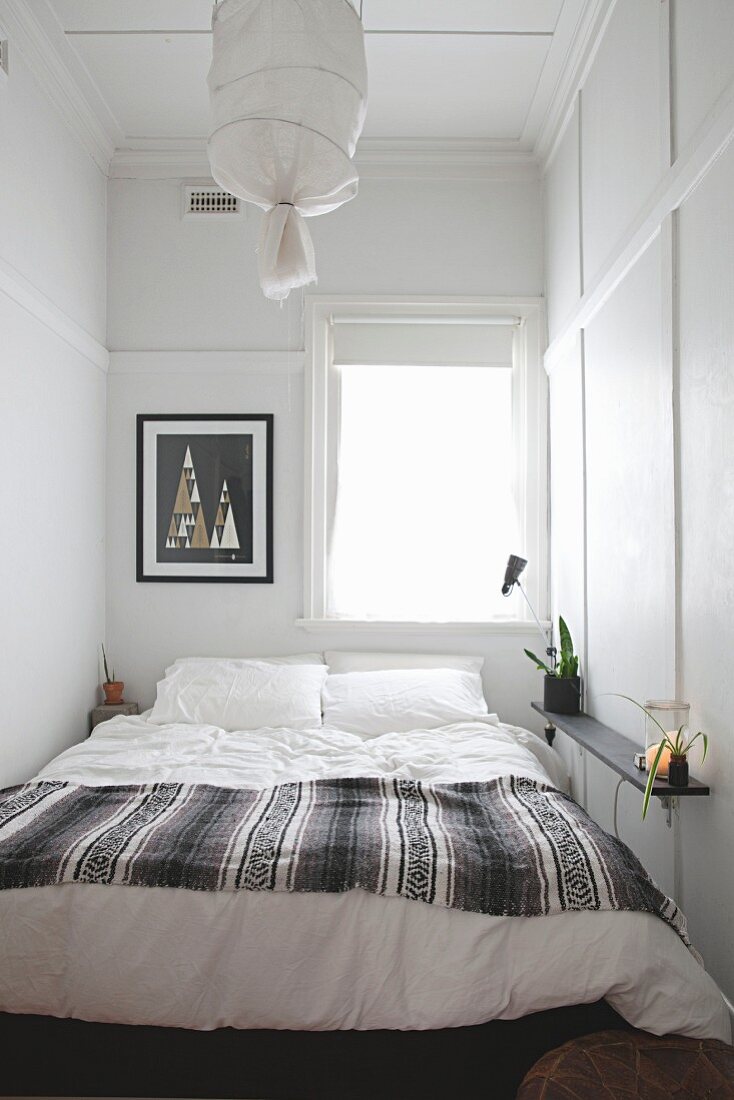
[616,751]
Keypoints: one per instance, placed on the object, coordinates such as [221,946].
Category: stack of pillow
[366,694]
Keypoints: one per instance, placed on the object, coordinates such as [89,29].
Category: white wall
[177,284]
[182,286]
[52,416]
[642,394]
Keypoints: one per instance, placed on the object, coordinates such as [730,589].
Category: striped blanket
[509,847]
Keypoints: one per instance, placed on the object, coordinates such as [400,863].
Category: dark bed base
[44,1056]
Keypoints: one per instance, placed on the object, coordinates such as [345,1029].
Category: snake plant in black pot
[562,685]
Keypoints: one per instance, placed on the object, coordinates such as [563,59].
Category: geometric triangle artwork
[187,527]
[228,539]
[199,539]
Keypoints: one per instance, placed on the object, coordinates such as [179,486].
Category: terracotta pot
[678,771]
[113,692]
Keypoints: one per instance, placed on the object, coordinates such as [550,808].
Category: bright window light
[424,510]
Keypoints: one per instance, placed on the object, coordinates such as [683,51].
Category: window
[426,460]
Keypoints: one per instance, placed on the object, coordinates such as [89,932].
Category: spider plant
[679,744]
[107,678]
[568,663]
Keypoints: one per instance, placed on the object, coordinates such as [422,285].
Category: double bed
[245,979]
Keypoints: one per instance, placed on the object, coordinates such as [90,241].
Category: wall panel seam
[674,188]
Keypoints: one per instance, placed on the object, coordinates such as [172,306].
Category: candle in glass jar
[664,759]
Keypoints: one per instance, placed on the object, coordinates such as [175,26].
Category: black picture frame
[221,475]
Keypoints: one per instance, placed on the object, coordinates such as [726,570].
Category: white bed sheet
[305,961]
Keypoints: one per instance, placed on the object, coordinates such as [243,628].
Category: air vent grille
[209,202]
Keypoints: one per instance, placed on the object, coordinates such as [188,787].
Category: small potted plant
[562,685]
[111,687]
[678,744]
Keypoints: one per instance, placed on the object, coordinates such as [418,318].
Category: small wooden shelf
[616,751]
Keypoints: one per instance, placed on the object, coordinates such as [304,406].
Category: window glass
[424,514]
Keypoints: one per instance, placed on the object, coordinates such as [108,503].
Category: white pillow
[338,661]
[398,700]
[294,659]
[241,695]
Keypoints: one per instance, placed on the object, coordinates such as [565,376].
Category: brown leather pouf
[620,1065]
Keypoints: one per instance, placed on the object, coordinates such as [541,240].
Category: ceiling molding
[405,158]
[162,159]
[587,37]
[375,159]
[35,32]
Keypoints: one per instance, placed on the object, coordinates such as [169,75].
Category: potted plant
[562,685]
[111,687]
[678,743]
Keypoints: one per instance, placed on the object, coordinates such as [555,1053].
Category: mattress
[181,958]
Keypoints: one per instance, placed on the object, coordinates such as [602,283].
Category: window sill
[373,626]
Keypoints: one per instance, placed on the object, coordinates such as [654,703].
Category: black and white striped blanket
[509,846]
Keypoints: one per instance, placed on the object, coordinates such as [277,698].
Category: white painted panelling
[52,417]
[703,31]
[177,284]
[620,157]
[567,494]
[631,581]
[52,559]
[155,85]
[707,537]
[462,15]
[149,624]
[52,203]
[451,86]
[563,245]
[652,841]
[631,328]
[567,525]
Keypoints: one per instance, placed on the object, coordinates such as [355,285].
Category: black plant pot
[562,696]
[678,771]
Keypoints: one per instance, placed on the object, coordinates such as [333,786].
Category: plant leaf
[540,664]
[639,706]
[566,641]
[651,777]
[705,744]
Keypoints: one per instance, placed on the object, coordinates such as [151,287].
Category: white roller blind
[439,344]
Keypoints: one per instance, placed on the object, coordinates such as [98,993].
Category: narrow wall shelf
[616,751]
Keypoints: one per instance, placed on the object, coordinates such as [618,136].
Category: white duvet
[310,961]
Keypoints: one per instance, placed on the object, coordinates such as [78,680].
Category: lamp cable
[616,804]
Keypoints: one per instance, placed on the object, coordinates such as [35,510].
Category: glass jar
[671,714]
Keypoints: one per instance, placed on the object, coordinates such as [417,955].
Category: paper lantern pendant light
[288,94]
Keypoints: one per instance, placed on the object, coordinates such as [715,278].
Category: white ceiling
[478,70]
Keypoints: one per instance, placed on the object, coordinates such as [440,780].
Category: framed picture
[205,498]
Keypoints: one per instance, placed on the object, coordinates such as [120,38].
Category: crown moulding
[41,40]
[375,159]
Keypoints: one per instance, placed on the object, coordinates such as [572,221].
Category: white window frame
[530,412]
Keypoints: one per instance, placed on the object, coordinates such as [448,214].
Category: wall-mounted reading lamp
[515,566]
